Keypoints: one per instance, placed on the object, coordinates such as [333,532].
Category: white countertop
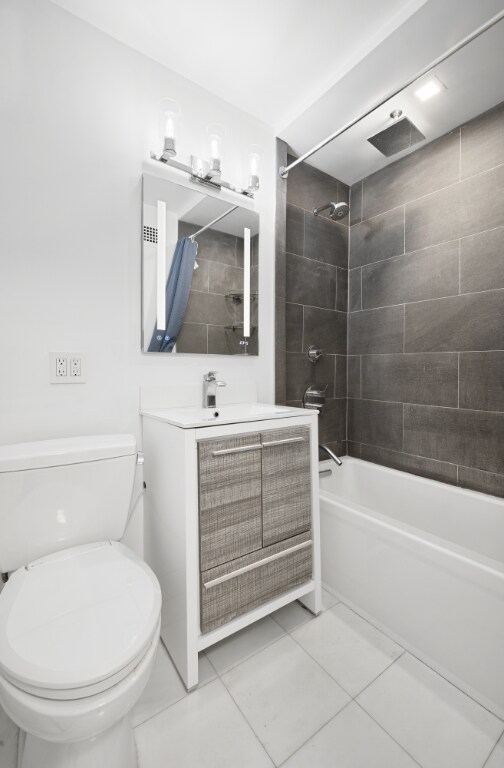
[191,418]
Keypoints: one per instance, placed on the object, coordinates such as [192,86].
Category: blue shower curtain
[178,286]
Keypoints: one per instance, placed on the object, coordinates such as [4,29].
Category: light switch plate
[66,368]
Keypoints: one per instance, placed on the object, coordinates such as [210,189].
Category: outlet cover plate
[72,364]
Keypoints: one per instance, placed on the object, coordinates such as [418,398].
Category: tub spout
[331,454]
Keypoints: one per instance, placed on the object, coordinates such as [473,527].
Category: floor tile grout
[493,749]
[387,733]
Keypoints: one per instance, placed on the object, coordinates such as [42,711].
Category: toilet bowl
[78,637]
[80,613]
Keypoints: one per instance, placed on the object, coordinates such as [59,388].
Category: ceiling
[308,67]
[271,58]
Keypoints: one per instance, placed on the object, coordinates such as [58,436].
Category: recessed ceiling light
[430,88]
[396,114]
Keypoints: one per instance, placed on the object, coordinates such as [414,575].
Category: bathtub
[424,562]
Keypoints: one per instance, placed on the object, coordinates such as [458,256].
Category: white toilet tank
[56,494]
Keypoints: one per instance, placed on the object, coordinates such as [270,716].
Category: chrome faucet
[210,385]
[331,454]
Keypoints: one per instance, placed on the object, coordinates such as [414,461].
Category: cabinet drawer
[229,498]
[286,483]
[235,588]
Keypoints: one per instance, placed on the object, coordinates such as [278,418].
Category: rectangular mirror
[200,262]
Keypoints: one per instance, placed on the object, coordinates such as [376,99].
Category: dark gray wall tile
[294,327]
[342,289]
[376,423]
[460,323]
[356,203]
[338,447]
[435,470]
[354,289]
[426,274]
[192,339]
[376,331]
[376,239]
[214,245]
[220,341]
[280,273]
[301,373]
[332,422]
[224,279]
[482,261]
[431,379]
[354,449]
[343,193]
[280,324]
[431,167]
[472,438]
[474,205]
[295,229]
[308,188]
[483,142]
[310,282]
[478,480]
[326,240]
[254,279]
[254,250]
[482,380]
[200,276]
[207,308]
[326,329]
[354,374]
[340,383]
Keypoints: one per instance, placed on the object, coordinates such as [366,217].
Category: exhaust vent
[397,137]
[150,234]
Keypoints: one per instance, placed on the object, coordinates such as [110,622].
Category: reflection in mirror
[200,262]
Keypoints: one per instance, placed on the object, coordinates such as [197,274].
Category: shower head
[338,210]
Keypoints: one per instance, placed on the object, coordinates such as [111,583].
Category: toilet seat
[77,622]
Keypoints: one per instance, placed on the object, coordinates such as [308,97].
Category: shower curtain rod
[284,170]
[207,226]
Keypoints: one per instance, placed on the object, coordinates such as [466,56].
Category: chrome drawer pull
[284,441]
[253,566]
[239,449]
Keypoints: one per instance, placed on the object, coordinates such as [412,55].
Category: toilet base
[114,748]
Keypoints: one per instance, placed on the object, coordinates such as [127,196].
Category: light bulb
[169,124]
[216,135]
[254,157]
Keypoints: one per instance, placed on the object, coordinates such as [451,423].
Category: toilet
[80,612]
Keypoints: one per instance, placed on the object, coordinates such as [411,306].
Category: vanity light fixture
[201,171]
[430,88]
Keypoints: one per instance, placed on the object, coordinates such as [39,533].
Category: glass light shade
[215,138]
[169,125]
[254,160]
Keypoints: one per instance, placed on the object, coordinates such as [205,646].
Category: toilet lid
[77,617]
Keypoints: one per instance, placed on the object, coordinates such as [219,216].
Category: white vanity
[232,519]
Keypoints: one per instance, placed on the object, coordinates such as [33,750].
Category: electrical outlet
[66,368]
[61,367]
[75,367]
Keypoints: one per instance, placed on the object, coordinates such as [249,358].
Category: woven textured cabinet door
[235,588]
[229,498]
[286,483]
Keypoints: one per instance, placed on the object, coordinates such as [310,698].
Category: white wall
[78,115]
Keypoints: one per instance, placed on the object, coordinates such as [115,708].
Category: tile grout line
[425,405]
[432,193]
[423,248]
[380,726]
[423,301]
[493,749]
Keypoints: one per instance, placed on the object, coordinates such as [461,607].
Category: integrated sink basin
[190,417]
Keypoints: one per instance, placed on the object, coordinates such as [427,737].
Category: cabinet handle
[253,566]
[283,442]
[239,449]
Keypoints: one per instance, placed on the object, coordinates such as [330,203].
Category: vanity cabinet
[231,523]
[254,502]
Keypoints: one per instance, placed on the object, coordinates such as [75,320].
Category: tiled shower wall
[316,297]
[426,310]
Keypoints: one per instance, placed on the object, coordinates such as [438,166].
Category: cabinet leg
[313,600]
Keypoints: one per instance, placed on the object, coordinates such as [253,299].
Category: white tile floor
[302,692]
